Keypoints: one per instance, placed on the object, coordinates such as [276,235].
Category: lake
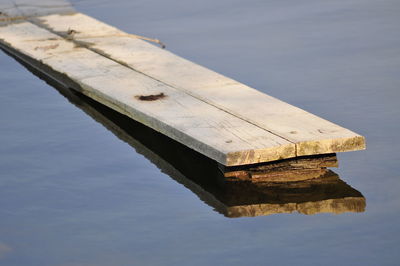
[77,190]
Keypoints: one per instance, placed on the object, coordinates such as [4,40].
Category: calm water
[72,193]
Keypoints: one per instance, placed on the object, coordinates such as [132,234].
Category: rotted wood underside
[209,113]
[288,170]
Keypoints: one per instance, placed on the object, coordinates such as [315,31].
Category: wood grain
[202,127]
[310,134]
[212,114]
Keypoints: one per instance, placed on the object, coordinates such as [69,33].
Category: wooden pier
[216,116]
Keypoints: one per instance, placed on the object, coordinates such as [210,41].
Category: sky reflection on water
[71,193]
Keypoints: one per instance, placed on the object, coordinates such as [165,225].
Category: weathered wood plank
[202,127]
[201,175]
[326,194]
[311,134]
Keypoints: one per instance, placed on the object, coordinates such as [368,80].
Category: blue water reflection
[71,193]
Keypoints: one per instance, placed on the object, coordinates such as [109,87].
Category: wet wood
[298,169]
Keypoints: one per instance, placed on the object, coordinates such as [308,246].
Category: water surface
[72,193]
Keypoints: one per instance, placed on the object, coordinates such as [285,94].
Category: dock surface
[219,117]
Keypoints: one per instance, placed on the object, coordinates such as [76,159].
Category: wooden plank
[310,134]
[325,194]
[202,176]
[202,127]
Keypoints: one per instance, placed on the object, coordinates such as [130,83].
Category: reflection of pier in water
[322,191]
